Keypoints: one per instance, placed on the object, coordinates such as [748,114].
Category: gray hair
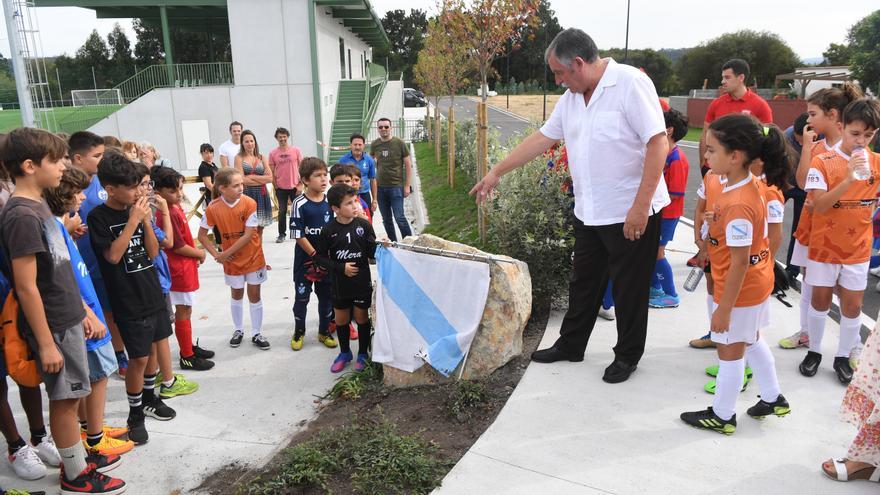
[572,43]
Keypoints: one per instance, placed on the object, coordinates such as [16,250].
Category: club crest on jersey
[102,195]
[301,289]
[326,217]
[359,231]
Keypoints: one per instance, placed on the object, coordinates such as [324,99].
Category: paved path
[565,431]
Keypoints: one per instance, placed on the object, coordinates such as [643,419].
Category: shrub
[466,147]
[530,219]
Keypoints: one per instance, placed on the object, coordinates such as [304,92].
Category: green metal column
[316,84]
[166,42]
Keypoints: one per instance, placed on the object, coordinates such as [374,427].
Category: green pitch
[67,119]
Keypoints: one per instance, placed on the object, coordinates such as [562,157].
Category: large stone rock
[499,336]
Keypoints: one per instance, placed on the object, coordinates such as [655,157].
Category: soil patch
[443,415]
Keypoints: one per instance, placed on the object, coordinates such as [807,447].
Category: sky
[653,24]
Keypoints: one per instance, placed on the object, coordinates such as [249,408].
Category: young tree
[442,63]
[487,28]
[527,59]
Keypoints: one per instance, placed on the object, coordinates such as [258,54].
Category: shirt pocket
[607,124]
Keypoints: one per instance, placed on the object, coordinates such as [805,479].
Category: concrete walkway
[565,431]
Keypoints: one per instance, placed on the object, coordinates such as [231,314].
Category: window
[349,63]
[342,57]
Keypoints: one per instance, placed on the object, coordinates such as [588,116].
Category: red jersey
[184,269]
[675,173]
[740,220]
[842,234]
[750,104]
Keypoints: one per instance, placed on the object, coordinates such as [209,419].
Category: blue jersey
[161,261]
[367,166]
[95,195]
[307,219]
[86,288]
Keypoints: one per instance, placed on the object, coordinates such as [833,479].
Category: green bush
[530,219]
[466,147]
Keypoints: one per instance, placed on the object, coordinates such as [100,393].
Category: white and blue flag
[428,309]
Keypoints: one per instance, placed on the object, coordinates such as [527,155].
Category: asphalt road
[507,125]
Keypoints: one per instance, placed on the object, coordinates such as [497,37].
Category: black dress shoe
[553,354]
[843,370]
[618,372]
[810,365]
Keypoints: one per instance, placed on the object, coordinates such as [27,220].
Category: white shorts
[850,277]
[252,278]
[799,254]
[745,322]
[183,298]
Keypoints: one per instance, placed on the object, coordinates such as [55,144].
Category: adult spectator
[284,163]
[230,148]
[151,158]
[393,175]
[736,98]
[254,166]
[795,137]
[367,165]
[616,139]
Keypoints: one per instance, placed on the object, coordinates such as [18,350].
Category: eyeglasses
[384,127]
[147,184]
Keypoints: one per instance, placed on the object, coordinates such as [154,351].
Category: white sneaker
[607,314]
[875,271]
[48,452]
[877,287]
[26,464]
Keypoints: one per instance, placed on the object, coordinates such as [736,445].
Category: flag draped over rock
[428,309]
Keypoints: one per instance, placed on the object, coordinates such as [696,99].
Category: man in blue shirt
[367,165]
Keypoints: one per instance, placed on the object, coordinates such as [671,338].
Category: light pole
[508,73]
[626,43]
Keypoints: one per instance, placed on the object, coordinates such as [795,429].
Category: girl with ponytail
[824,110]
[742,265]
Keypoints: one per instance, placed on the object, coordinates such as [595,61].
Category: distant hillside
[673,53]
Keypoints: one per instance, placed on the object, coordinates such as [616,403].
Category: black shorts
[361,302]
[139,334]
[707,268]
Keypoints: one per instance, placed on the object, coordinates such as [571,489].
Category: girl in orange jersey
[235,216]
[842,184]
[824,110]
[742,269]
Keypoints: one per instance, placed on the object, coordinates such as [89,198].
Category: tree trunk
[450,148]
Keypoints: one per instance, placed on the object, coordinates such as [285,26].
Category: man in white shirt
[614,131]
[230,147]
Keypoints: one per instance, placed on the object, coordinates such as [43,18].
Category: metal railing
[150,78]
[410,130]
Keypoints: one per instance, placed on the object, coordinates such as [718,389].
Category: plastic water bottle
[863,172]
[693,279]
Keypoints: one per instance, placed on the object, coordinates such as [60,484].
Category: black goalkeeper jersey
[339,244]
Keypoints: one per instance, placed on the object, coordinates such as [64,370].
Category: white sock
[728,383]
[237,307]
[710,306]
[764,367]
[817,328]
[806,297]
[849,335]
[256,317]
[74,460]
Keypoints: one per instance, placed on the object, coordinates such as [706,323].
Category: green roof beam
[351,14]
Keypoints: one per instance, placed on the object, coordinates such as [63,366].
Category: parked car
[413,98]
[490,92]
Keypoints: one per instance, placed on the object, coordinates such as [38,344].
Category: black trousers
[282,195]
[599,253]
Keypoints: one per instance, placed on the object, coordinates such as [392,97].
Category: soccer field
[68,119]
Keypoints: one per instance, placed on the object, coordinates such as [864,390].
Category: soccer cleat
[237,337]
[280,239]
[48,452]
[841,367]
[810,365]
[157,409]
[260,342]
[854,356]
[710,386]
[708,420]
[121,363]
[703,342]
[90,481]
[353,332]
[655,293]
[362,362]
[181,386]
[137,431]
[327,340]
[713,371]
[111,446]
[196,363]
[22,492]
[664,302]
[27,464]
[798,339]
[202,352]
[296,343]
[103,462]
[340,362]
[607,314]
[762,409]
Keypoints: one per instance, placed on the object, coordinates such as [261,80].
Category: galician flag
[428,309]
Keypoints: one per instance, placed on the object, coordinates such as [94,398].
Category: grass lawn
[693,134]
[10,119]
[452,213]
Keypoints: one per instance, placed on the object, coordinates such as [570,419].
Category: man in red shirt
[736,99]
